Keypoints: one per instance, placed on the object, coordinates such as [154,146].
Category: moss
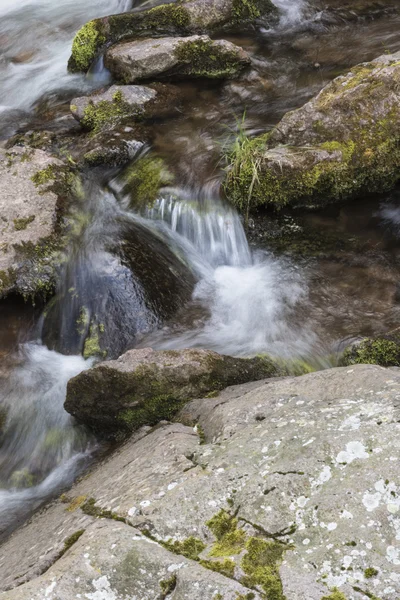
[167,586]
[85,46]
[166,15]
[191,547]
[108,113]
[7,280]
[225,567]
[22,479]
[335,595]
[153,410]
[230,539]
[260,565]
[384,351]
[70,541]
[201,434]
[76,503]
[144,179]
[249,10]
[205,59]
[92,347]
[22,223]
[89,508]
[370,572]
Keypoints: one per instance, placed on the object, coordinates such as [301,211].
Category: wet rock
[341,144]
[144,386]
[289,485]
[33,187]
[384,351]
[108,109]
[178,18]
[194,56]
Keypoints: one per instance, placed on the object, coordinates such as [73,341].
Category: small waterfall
[244,303]
[214,230]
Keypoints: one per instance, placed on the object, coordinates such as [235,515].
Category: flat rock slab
[311,461]
[194,56]
[28,215]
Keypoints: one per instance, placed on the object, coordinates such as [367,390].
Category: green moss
[205,59]
[70,541]
[151,412]
[107,114]
[370,572]
[89,508]
[261,563]
[225,567]
[201,434]
[144,179]
[249,10]
[7,280]
[230,539]
[22,223]
[92,346]
[383,351]
[191,547]
[166,15]
[22,479]
[85,46]
[335,595]
[167,586]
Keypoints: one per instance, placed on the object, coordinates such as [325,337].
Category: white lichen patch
[354,450]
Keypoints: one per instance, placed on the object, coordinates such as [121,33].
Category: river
[252,295]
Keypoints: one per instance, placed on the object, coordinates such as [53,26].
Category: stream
[237,292]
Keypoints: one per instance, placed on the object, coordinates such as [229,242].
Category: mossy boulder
[34,190]
[341,144]
[383,351]
[107,109]
[143,179]
[194,56]
[144,387]
[184,17]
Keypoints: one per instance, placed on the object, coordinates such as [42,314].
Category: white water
[40,446]
[292,12]
[249,300]
[35,39]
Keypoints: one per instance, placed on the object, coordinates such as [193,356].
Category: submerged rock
[144,387]
[287,490]
[195,56]
[107,109]
[184,17]
[33,188]
[343,143]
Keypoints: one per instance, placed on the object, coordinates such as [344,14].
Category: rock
[33,188]
[184,17]
[108,109]
[341,144]
[144,386]
[383,351]
[291,488]
[195,56]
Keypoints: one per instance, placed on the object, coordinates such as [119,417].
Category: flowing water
[182,273]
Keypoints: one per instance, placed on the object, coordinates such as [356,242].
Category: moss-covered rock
[144,387]
[384,351]
[35,189]
[194,56]
[342,143]
[142,180]
[184,17]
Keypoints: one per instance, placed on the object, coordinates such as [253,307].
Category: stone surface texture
[311,462]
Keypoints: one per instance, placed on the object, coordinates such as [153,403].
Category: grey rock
[120,101]
[184,17]
[312,461]
[194,56]
[339,145]
[144,386]
[28,218]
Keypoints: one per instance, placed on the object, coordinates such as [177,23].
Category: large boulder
[184,17]
[144,386]
[290,491]
[33,189]
[194,56]
[341,144]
